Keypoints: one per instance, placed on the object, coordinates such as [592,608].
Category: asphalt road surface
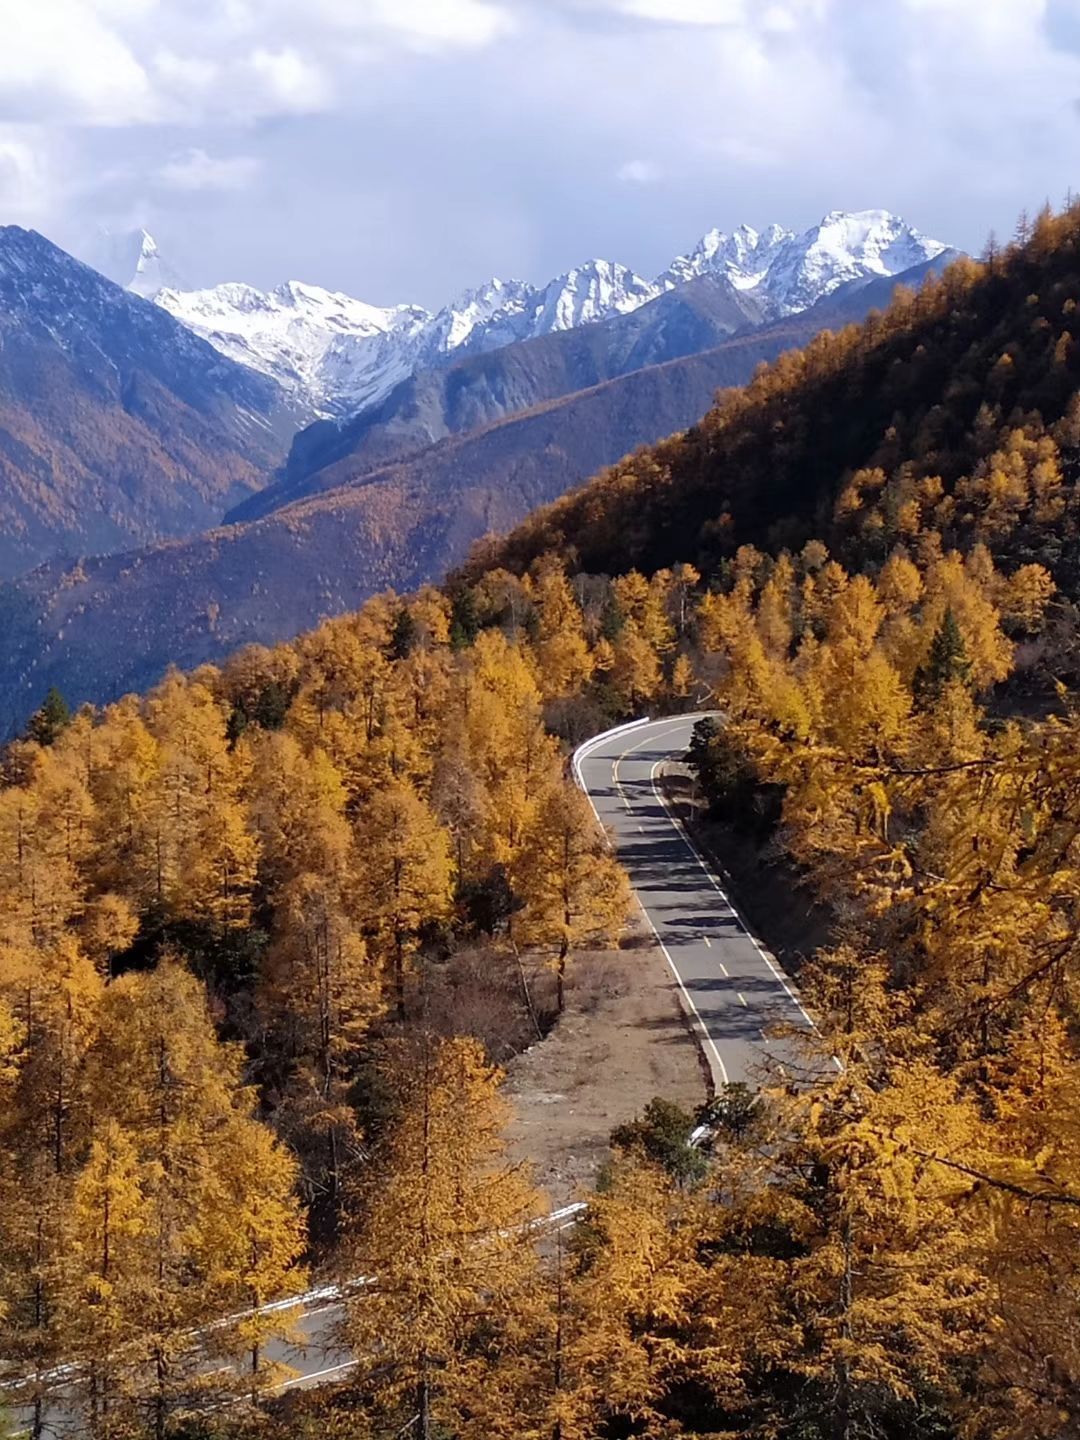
[734,990]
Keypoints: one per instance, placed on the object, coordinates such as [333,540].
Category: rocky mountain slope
[337,355]
[118,426]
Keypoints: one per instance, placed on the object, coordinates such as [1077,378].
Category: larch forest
[252,923]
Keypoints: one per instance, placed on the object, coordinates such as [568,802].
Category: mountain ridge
[191,601]
[338,355]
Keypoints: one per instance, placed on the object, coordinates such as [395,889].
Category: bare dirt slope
[621,1041]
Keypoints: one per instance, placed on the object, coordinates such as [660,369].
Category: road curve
[734,991]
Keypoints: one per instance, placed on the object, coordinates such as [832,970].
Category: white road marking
[708,942]
[742,997]
[723,969]
[319,1374]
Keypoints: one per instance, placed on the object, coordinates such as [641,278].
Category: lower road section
[735,992]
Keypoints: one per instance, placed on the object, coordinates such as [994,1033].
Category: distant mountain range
[336,355]
[127,434]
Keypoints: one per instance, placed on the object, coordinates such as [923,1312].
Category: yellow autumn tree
[159,1073]
[404,879]
[574,891]
[445,1232]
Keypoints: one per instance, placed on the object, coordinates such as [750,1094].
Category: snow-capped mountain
[792,272]
[337,355]
[130,258]
[340,354]
[328,350]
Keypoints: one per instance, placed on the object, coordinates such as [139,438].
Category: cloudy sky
[401,149]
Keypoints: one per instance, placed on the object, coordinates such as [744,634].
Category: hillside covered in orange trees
[953,412]
[252,920]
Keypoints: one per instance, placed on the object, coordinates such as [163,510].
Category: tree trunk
[399,976]
[423,1403]
[159,1398]
[842,1416]
[529,1006]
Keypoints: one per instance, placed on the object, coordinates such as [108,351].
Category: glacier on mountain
[338,355]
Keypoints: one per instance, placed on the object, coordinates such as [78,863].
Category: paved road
[733,989]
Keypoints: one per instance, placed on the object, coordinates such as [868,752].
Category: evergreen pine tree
[947,661]
[49,719]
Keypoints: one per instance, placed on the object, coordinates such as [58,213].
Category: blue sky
[402,149]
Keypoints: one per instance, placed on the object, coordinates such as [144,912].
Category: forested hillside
[953,411]
[254,918]
[222,905]
[371,503]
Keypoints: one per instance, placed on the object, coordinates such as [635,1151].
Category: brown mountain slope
[117,425]
[113,624]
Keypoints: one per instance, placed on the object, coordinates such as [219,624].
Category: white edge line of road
[587,746]
[580,754]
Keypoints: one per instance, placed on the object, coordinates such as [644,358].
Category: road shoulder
[622,1040]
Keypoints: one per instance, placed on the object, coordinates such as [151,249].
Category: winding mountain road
[734,991]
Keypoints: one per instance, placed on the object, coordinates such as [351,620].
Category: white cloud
[432,24]
[677,12]
[196,170]
[60,59]
[291,83]
[638,172]
[118,62]
[188,75]
[25,187]
[396,120]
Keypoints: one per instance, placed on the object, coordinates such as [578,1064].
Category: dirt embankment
[621,1041]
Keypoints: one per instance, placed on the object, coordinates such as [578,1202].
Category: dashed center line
[742,997]
[723,969]
[708,942]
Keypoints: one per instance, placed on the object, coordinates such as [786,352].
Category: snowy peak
[497,309]
[338,355]
[742,258]
[845,247]
[130,258]
[791,272]
[591,292]
[503,311]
